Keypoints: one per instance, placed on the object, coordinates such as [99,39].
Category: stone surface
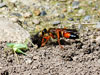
[97,25]
[10,31]
[56,22]
[35,21]
[2,5]
[87,18]
[27,2]
[75,4]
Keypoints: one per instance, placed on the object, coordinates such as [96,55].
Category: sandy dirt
[79,57]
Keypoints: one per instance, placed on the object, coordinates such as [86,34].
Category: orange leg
[58,36]
[47,38]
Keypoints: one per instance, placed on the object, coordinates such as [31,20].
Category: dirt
[78,57]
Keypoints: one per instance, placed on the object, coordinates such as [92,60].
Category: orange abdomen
[66,34]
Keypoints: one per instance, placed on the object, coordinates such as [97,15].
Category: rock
[43,13]
[13,1]
[87,18]
[16,14]
[81,12]
[2,5]
[90,2]
[98,39]
[64,10]
[97,25]
[80,26]
[27,2]
[27,14]
[36,57]
[75,4]
[37,12]
[14,19]
[62,16]
[70,19]
[69,9]
[28,61]
[75,58]
[10,31]
[56,22]
[98,61]
[35,21]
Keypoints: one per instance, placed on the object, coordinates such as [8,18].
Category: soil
[78,57]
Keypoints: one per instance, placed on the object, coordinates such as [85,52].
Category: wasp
[41,38]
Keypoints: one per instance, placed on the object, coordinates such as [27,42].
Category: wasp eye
[44,31]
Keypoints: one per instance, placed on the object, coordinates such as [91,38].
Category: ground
[78,57]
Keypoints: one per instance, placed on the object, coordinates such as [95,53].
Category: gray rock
[28,60]
[13,1]
[97,25]
[27,15]
[10,31]
[62,16]
[43,13]
[2,5]
[81,12]
[75,4]
[98,61]
[27,2]
[70,19]
[35,21]
[80,26]
[98,39]
[87,18]
[16,14]
[56,22]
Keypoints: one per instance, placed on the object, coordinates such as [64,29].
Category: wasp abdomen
[70,35]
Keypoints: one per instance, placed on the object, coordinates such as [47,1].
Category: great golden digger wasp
[41,38]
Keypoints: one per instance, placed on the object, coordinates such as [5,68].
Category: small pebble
[81,12]
[69,9]
[16,14]
[75,58]
[13,1]
[75,4]
[62,16]
[37,12]
[98,39]
[1,67]
[64,10]
[36,57]
[35,21]
[28,61]
[87,18]
[80,26]
[98,61]
[97,25]
[25,22]
[70,19]
[14,19]
[56,22]
[27,15]
[43,13]
[2,5]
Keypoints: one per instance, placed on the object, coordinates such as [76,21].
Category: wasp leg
[58,36]
[47,38]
